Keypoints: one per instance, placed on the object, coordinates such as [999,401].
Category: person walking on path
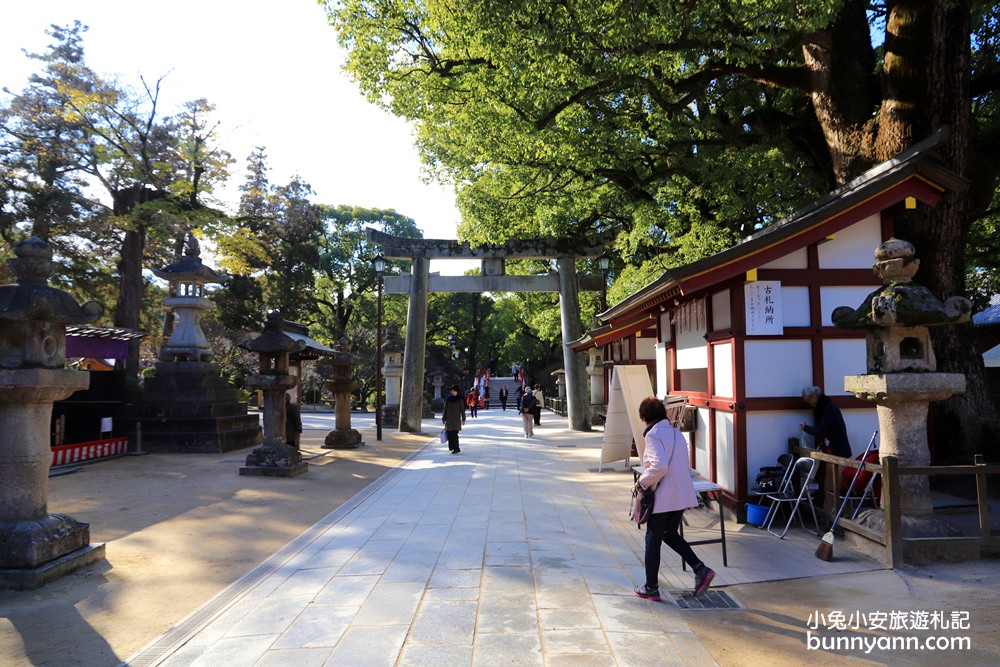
[472,402]
[453,418]
[539,404]
[665,469]
[293,422]
[503,397]
[528,413]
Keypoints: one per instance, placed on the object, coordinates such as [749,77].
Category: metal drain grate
[710,600]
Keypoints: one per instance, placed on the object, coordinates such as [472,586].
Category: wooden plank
[858,529]
[890,506]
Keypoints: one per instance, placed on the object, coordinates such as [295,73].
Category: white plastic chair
[798,487]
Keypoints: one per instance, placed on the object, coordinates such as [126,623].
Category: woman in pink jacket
[665,469]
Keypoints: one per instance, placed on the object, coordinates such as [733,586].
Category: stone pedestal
[902,402]
[392,371]
[341,384]
[275,457]
[35,547]
[189,407]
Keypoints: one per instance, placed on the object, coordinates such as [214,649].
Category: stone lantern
[392,371]
[275,457]
[36,547]
[595,371]
[437,381]
[188,406]
[342,383]
[902,377]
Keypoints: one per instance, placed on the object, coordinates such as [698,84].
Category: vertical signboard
[763,308]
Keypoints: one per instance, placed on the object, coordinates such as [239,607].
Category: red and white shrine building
[741,333]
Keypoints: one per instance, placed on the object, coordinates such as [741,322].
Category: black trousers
[663,527]
[453,440]
[538,415]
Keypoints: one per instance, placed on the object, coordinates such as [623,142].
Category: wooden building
[742,332]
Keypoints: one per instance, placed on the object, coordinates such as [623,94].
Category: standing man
[540,402]
[503,397]
[453,418]
[293,422]
[829,429]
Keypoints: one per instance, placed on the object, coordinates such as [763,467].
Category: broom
[825,549]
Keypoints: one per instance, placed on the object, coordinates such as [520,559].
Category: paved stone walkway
[501,554]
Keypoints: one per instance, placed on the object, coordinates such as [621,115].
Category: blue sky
[273,70]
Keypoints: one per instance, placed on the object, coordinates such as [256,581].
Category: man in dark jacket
[453,418]
[830,431]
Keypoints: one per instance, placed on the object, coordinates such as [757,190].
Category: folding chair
[785,461]
[797,488]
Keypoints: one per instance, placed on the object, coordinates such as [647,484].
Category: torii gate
[419,283]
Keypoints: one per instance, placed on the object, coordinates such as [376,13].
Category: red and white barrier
[88,451]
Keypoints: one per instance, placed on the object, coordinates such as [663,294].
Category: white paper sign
[763,308]
[106,425]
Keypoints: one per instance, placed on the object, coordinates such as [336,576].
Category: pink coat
[675,490]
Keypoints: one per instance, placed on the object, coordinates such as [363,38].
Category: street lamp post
[379,263]
[604,261]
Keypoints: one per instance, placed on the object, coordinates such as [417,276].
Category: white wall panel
[725,450]
[700,435]
[767,436]
[721,314]
[722,358]
[645,347]
[794,260]
[842,357]
[832,297]
[665,326]
[778,367]
[662,387]
[852,248]
[795,306]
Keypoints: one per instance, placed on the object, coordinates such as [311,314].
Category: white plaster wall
[860,426]
[840,358]
[777,367]
[795,260]
[721,315]
[722,357]
[795,306]
[700,435]
[767,436]
[832,297]
[665,330]
[662,387]
[692,351]
[645,348]
[725,448]
[852,248]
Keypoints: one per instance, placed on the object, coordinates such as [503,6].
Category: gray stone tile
[331,557]
[391,604]
[449,578]
[642,650]
[444,622]
[317,627]
[307,582]
[227,651]
[369,646]
[347,591]
[507,553]
[443,594]
[270,617]
[417,655]
[605,659]
[574,641]
[368,562]
[302,657]
[507,613]
[694,654]
[508,580]
[525,649]
[569,619]
[400,571]
[608,580]
[619,613]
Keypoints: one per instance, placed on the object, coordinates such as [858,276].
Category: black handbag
[642,505]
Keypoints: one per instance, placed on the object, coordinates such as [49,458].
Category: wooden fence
[896,545]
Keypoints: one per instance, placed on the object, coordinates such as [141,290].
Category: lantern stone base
[34,552]
[36,577]
[274,461]
[343,438]
[189,407]
[935,529]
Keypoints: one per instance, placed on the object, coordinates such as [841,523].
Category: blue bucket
[756,514]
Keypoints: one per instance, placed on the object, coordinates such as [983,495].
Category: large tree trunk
[925,88]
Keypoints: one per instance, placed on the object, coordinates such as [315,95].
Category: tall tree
[692,123]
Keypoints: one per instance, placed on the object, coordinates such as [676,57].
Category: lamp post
[379,263]
[604,261]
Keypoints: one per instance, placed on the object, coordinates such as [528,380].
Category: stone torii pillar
[419,283]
